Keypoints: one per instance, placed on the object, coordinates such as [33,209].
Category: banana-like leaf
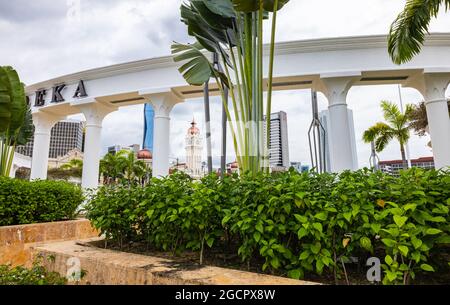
[269,5]
[223,8]
[210,30]
[26,130]
[248,6]
[198,69]
[5,101]
[18,99]
[12,110]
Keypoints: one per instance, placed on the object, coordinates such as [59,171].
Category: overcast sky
[43,39]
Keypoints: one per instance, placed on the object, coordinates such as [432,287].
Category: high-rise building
[116,148]
[194,149]
[149,117]
[65,136]
[324,117]
[279,145]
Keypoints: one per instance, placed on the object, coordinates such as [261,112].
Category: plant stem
[270,82]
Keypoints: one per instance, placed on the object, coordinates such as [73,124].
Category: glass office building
[149,117]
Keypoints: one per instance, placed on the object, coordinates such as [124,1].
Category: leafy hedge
[24,202]
[297,223]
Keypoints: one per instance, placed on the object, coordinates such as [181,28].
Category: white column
[163,101]
[342,155]
[94,112]
[12,173]
[433,87]
[43,124]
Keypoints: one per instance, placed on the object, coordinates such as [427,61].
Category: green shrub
[36,275]
[23,202]
[298,224]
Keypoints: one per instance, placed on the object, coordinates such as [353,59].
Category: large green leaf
[13,104]
[407,33]
[223,8]
[269,5]
[248,6]
[26,130]
[5,101]
[198,69]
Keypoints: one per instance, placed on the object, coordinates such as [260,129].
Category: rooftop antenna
[317,138]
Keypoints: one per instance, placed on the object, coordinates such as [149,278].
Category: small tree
[397,126]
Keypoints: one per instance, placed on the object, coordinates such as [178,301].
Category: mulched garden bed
[356,272]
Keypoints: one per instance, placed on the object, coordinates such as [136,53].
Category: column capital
[336,88]
[162,99]
[94,111]
[432,85]
[44,121]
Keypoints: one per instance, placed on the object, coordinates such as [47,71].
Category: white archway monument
[331,66]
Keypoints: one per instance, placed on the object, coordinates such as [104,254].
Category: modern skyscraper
[279,145]
[65,136]
[324,117]
[194,149]
[149,117]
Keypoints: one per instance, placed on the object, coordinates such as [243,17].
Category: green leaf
[437,219]
[198,69]
[432,231]
[315,248]
[427,267]
[403,250]
[321,216]
[300,218]
[223,8]
[388,259]
[347,216]
[318,226]
[366,243]
[295,274]
[375,227]
[400,220]
[257,236]
[301,233]
[416,243]
[275,262]
[388,242]
[210,242]
[259,227]
[304,255]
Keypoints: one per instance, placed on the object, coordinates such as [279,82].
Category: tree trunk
[405,162]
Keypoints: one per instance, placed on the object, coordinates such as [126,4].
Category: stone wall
[16,241]
[108,267]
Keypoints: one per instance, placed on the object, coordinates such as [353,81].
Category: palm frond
[407,33]
[391,113]
[375,132]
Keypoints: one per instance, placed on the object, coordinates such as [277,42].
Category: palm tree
[111,167]
[419,118]
[397,127]
[73,164]
[407,33]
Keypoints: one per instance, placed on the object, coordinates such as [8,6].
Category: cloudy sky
[43,39]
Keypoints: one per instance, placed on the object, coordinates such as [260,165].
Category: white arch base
[331,66]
